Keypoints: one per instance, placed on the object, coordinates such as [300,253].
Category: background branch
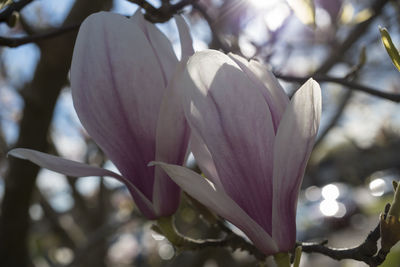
[337,53]
[365,252]
[163,13]
[40,99]
[13,7]
[342,81]
[18,41]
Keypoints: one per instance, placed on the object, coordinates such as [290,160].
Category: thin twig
[342,81]
[14,7]
[215,35]
[18,41]
[354,35]
[344,101]
[365,252]
[163,13]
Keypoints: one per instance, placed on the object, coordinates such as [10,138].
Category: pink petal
[159,43]
[185,37]
[229,114]
[172,132]
[219,202]
[171,146]
[204,159]
[117,87]
[268,85]
[77,169]
[293,145]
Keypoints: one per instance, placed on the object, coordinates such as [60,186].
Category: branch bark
[349,84]
[18,41]
[40,98]
[365,252]
[16,6]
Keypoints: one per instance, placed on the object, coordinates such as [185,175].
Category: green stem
[297,256]
[282,259]
[167,227]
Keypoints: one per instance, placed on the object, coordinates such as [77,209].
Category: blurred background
[47,219]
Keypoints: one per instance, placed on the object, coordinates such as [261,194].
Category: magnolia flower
[251,142]
[122,80]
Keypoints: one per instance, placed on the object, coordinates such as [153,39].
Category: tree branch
[163,13]
[18,41]
[365,252]
[344,101]
[215,36]
[342,81]
[16,6]
[338,52]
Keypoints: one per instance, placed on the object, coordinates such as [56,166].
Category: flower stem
[167,227]
[297,256]
[282,259]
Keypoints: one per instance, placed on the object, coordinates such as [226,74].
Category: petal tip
[17,153]
[152,163]
[185,37]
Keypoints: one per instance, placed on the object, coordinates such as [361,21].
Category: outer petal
[268,85]
[77,169]
[185,37]
[293,145]
[172,132]
[230,115]
[219,202]
[117,88]
[160,45]
[204,159]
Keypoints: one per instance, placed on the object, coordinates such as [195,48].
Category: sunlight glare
[275,17]
[341,211]
[166,251]
[330,192]
[377,187]
[263,4]
[329,207]
[313,193]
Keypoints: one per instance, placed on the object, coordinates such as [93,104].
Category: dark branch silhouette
[365,252]
[18,41]
[345,82]
[11,8]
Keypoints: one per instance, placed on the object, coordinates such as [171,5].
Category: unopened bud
[390,226]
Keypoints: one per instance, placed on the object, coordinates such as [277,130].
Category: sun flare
[263,4]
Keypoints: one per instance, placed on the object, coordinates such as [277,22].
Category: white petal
[172,140]
[204,159]
[230,115]
[185,37]
[117,88]
[75,169]
[293,145]
[159,43]
[268,85]
[219,202]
